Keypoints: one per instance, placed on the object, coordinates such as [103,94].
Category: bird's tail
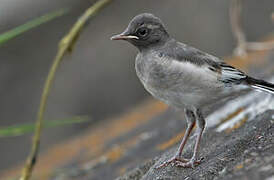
[260,84]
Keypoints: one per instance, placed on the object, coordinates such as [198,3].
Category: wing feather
[231,75]
[184,53]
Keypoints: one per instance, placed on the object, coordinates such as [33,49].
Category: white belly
[177,84]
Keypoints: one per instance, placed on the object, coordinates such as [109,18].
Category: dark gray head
[144,31]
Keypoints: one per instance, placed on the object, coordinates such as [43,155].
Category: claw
[189,164]
[173,161]
[180,162]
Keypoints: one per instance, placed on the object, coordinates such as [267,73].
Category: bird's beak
[123,36]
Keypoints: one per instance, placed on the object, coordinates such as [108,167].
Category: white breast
[179,84]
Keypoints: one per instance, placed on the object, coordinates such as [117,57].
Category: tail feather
[260,84]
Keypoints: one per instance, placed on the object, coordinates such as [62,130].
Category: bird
[182,76]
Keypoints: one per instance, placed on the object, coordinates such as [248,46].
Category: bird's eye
[142,32]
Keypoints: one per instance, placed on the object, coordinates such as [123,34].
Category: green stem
[65,46]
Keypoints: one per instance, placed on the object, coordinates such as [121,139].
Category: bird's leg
[200,128]
[190,117]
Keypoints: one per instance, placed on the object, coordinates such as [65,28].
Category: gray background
[98,79]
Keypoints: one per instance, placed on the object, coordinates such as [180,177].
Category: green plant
[65,46]
[6,36]
[18,130]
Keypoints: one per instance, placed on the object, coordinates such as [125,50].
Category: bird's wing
[231,75]
[184,53]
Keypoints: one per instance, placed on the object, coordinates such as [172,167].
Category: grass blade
[18,130]
[4,37]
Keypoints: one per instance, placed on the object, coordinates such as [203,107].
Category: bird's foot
[189,164]
[180,162]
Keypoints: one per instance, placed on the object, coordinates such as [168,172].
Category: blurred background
[98,79]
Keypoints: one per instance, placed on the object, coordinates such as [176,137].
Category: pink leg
[200,128]
[177,159]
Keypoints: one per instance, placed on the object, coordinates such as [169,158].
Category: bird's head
[144,30]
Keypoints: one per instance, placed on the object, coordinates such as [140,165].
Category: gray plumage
[181,76]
